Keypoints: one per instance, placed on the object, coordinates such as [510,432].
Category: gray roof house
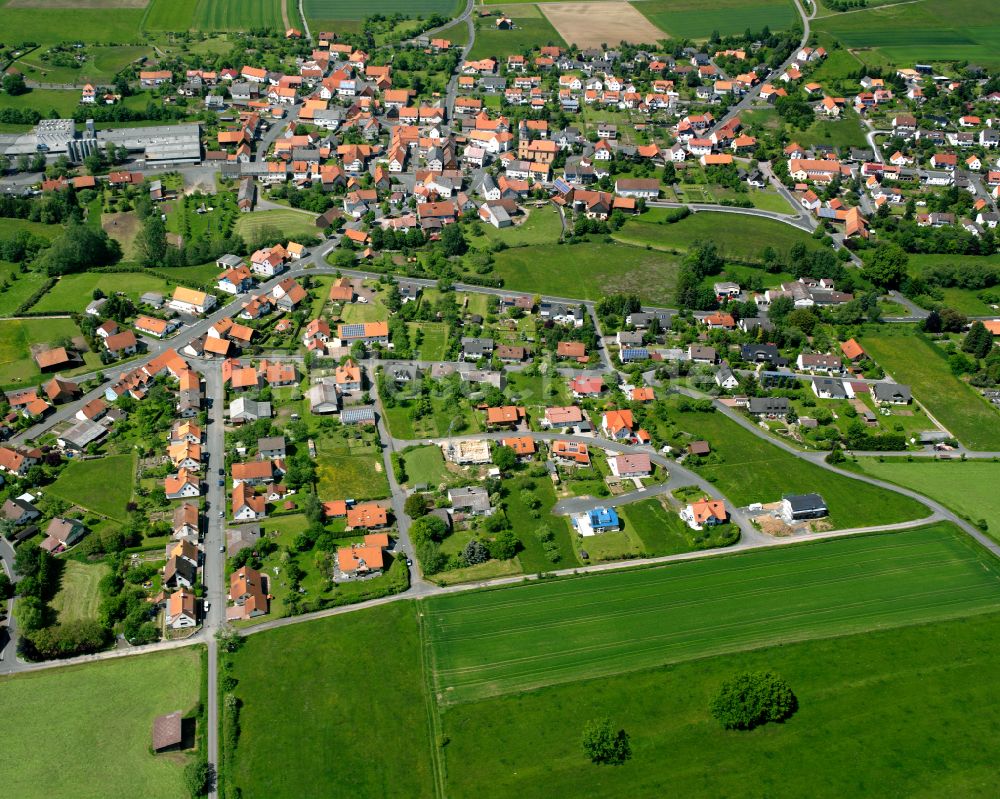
[893,393]
[476,348]
[242,409]
[472,500]
[768,406]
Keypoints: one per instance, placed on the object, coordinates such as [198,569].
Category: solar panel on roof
[356,414]
[353,331]
[562,186]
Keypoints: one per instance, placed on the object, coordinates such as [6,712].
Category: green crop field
[348,716]
[925,31]
[74,292]
[233,15]
[900,712]
[289,223]
[749,469]
[588,271]
[78,596]
[961,409]
[170,15]
[99,717]
[967,487]
[505,641]
[49,25]
[114,474]
[350,9]
[694,20]
[737,236]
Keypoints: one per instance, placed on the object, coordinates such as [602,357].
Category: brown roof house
[168,732]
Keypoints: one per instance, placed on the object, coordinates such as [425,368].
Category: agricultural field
[170,15]
[737,236]
[226,15]
[588,271]
[348,717]
[79,595]
[114,473]
[894,713]
[967,487]
[45,23]
[498,642]
[747,469]
[346,16]
[597,22]
[693,20]
[98,717]
[533,30]
[20,337]
[913,360]
[289,223]
[72,293]
[925,31]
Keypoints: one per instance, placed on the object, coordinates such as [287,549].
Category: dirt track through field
[596,22]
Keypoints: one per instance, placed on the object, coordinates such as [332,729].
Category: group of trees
[702,260]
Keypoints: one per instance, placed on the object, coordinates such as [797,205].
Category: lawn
[74,292]
[18,336]
[290,223]
[691,19]
[348,716]
[542,226]
[660,531]
[425,465]
[445,418]
[532,31]
[967,487]
[524,522]
[739,237]
[510,640]
[884,713]
[349,469]
[913,360]
[10,225]
[113,473]
[434,346]
[64,101]
[79,595]
[588,271]
[842,133]
[101,65]
[749,469]
[927,31]
[20,286]
[99,713]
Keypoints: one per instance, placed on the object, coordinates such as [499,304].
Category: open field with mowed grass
[21,286]
[924,31]
[64,101]
[99,718]
[532,31]
[288,223]
[967,487]
[737,236]
[899,712]
[913,360]
[114,474]
[72,293]
[542,226]
[695,20]
[504,641]
[78,596]
[588,271]
[752,470]
[17,336]
[348,717]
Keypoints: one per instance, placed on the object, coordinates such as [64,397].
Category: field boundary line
[430,700]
